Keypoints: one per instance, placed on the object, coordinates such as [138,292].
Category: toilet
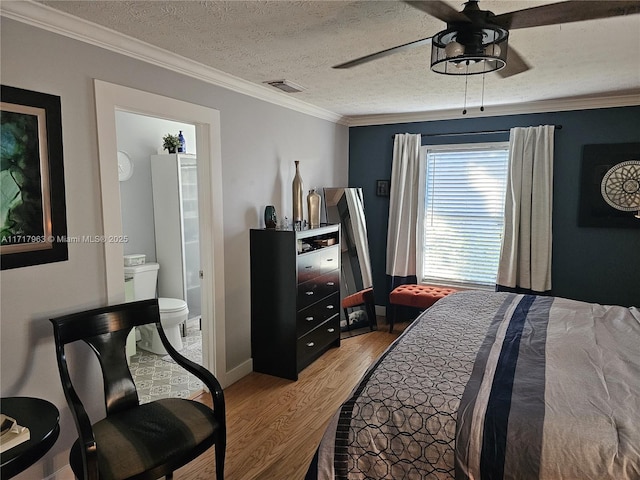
[173,311]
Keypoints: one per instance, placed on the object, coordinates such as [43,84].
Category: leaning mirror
[346,207]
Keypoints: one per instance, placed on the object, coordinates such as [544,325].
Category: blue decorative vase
[270,219]
[183,145]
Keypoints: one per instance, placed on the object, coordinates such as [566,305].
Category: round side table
[42,419]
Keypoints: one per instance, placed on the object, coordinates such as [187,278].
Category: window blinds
[464,189]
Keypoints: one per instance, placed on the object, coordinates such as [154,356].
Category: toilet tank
[144,278]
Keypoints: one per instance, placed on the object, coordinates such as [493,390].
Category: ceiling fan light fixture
[493,50]
[454,49]
[478,50]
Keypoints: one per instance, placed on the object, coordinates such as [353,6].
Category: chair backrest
[105,330]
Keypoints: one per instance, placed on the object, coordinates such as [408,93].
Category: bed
[491,385]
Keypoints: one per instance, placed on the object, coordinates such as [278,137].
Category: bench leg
[392,318]
[370,308]
[346,317]
[371,313]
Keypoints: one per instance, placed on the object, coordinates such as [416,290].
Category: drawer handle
[309,266]
[330,307]
[309,319]
[329,259]
[331,330]
[310,344]
[330,284]
[309,293]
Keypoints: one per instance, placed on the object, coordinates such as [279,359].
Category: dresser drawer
[312,316]
[315,290]
[329,259]
[311,344]
[317,262]
[308,266]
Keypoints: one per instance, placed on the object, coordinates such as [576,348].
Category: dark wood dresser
[295,297]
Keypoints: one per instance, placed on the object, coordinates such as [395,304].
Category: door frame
[110,97]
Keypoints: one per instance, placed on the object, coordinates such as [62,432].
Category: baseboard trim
[65,473]
[235,374]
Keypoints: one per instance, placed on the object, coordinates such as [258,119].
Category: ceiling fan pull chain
[466,80]
[482,97]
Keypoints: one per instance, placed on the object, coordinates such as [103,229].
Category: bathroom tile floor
[157,378]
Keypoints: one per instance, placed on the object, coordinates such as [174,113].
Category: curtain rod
[486,132]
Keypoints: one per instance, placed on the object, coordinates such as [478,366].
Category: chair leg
[220,451]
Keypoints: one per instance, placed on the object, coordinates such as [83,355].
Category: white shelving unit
[175,204]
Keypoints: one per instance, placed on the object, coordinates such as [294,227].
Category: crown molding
[56,21]
[543,106]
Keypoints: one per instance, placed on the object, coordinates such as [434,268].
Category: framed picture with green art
[33,223]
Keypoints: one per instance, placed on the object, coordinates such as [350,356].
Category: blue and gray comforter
[496,386]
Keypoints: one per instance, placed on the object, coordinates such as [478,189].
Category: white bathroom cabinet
[175,206]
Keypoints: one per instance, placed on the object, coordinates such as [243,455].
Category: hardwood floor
[274,425]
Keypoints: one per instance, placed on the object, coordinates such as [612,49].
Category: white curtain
[403,211]
[359,229]
[525,258]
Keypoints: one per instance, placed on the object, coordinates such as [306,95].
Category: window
[462,215]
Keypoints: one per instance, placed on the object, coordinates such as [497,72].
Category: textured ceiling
[299,41]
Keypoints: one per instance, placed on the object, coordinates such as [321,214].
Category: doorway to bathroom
[112,99]
[160,220]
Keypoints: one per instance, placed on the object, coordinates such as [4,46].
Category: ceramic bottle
[313,207]
[297,189]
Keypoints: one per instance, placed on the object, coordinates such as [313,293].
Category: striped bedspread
[496,386]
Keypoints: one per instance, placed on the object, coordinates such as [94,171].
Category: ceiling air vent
[285,86]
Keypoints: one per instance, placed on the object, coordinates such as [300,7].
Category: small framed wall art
[33,225]
[382,188]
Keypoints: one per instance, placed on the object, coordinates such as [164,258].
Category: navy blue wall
[592,264]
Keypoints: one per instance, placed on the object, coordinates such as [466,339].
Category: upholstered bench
[363,297]
[417,296]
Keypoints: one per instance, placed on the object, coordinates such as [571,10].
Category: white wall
[260,141]
[140,137]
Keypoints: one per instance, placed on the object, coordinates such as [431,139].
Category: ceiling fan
[476,41]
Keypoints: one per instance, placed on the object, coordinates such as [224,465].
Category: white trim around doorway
[109,98]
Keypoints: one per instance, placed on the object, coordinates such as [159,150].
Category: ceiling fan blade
[566,12]
[515,64]
[440,10]
[384,53]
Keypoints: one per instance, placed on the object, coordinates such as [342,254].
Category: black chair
[135,441]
